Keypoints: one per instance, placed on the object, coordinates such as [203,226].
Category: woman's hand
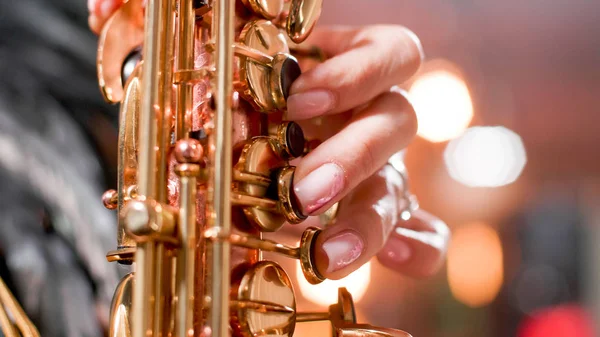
[347,102]
[350,104]
[100,12]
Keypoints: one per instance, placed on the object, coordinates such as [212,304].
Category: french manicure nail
[397,251]
[309,104]
[342,249]
[91,6]
[319,187]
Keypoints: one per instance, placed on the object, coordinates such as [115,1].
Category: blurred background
[508,110]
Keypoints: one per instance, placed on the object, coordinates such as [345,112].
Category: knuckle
[364,159]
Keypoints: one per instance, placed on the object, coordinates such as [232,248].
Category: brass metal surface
[20,325]
[344,311]
[122,33]
[342,316]
[268,9]
[120,311]
[150,220]
[302,18]
[309,268]
[252,243]
[270,302]
[259,159]
[151,289]
[124,255]
[129,115]
[289,207]
[305,252]
[365,330]
[280,139]
[185,45]
[110,199]
[193,76]
[188,238]
[220,157]
[329,217]
[278,81]
[264,37]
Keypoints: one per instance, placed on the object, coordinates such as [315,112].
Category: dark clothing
[54,231]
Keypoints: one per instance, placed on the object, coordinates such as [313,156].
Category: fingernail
[319,187]
[342,249]
[397,251]
[91,6]
[106,8]
[309,104]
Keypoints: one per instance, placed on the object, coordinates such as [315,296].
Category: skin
[366,123]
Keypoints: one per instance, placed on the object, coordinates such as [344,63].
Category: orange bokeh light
[442,102]
[475,264]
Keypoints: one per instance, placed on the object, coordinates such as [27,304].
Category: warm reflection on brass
[365,330]
[193,76]
[20,325]
[188,153]
[150,220]
[287,199]
[265,304]
[128,151]
[328,218]
[264,37]
[262,159]
[307,262]
[302,18]
[121,34]
[269,9]
[220,176]
[259,159]
[288,139]
[110,199]
[304,253]
[120,311]
[123,255]
[342,316]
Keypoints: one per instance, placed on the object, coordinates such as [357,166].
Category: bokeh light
[562,321]
[326,293]
[443,105]
[475,264]
[486,157]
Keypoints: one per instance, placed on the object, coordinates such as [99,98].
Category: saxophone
[204,170]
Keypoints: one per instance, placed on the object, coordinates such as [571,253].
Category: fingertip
[94,24]
[417,45]
[339,254]
[418,247]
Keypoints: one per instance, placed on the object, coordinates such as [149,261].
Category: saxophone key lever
[304,253]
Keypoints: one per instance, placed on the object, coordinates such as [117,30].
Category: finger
[416,247]
[361,229]
[339,164]
[365,63]
[100,11]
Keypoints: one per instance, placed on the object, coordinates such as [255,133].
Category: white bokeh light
[443,105]
[326,293]
[486,157]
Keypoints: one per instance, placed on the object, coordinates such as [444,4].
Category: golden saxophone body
[204,169]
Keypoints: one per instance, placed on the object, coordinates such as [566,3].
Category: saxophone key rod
[304,253]
[220,155]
